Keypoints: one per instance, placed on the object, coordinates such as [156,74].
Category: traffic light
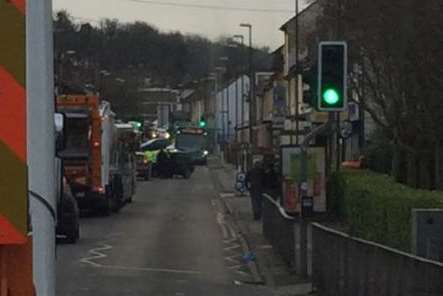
[332,76]
[136,124]
[202,123]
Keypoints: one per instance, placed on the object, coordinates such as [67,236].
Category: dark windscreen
[187,141]
[77,135]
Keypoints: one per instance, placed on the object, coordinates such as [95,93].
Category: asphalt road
[172,240]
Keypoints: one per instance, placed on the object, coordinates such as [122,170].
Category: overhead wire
[212,7]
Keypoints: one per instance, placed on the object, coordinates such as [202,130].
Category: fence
[278,229]
[346,266]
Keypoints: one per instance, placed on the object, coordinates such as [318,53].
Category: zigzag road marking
[96,255]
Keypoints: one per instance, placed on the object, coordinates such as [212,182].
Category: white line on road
[97,254]
[148,269]
[220,221]
[229,241]
[236,246]
[232,259]
[232,231]
[242,272]
[235,266]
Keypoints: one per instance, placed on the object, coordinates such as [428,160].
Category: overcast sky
[211,23]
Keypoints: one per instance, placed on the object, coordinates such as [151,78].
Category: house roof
[284,27]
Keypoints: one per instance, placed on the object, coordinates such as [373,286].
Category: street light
[62,56]
[242,120]
[251,87]
[103,75]
[217,77]
[225,60]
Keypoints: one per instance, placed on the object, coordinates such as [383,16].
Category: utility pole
[242,115]
[251,91]
[228,119]
[41,150]
[297,86]
[236,109]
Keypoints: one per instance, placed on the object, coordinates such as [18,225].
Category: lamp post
[218,86]
[225,108]
[251,88]
[103,75]
[297,55]
[62,60]
[242,103]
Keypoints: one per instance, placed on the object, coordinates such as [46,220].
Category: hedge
[377,208]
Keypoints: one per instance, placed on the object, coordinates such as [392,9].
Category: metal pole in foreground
[41,147]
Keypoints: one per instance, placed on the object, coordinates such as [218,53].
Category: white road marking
[236,246]
[265,247]
[232,259]
[227,194]
[148,269]
[96,255]
[220,221]
[235,266]
[242,272]
[232,231]
[229,241]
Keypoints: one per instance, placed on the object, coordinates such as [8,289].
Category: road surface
[173,240]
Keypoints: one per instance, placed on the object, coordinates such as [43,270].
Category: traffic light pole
[306,202]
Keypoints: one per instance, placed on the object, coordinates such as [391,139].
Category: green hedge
[376,208]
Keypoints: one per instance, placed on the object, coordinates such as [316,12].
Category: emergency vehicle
[89,126]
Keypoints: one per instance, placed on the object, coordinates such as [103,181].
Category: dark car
[68,224]
[182,162]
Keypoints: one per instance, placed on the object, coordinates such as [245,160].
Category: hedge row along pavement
[377,208]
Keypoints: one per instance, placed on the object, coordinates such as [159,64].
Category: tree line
[118,58]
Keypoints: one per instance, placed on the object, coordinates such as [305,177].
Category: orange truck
[87,155]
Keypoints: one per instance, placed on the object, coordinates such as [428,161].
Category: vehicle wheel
[105,208]
[116,201]
[187,173]
[146,176]
[73,235]
[116,194]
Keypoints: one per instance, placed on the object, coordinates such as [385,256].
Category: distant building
[158,103]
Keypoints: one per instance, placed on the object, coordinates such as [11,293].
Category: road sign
[13,175]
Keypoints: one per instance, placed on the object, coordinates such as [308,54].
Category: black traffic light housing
[332,76]
[202,123]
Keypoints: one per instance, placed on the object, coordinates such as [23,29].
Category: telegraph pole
[297,86]
[251,91]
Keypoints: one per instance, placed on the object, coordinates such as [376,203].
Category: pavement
[177,238]
[271,269]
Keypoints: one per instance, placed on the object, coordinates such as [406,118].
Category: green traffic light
[202,124]
[330,96]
